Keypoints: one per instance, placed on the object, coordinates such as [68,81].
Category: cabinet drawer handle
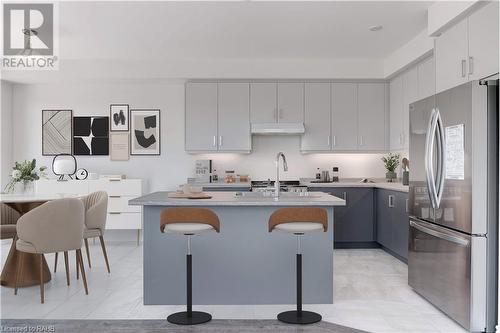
[114,180]
[115,196]
[220,140]
[463,67]
[114,213]
[344,196]
[407,209]
[215,140]
[391,201]
[328,141]
[334,140]
[471,65]
[360,140]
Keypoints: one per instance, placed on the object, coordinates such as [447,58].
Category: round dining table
[23,203]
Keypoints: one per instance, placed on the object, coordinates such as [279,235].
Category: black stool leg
[189,317]
[298,316]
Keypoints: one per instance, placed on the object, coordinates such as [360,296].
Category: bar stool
[189,221]
[299,221]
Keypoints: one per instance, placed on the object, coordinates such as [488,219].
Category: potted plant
[23,175]
[391,162]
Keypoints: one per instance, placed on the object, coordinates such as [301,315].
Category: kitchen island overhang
[244,263]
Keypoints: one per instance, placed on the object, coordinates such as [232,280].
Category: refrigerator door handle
[429,159]
[441,159]
[440,234]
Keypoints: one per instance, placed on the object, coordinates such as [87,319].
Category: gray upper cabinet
[316,117]
[263,102]
[344,117]
[201,116]
[396,113]
[372,116]
[469,49]
[451,57]
[426,78]
[234,117]
[410,95]
[483,41]
[290,102]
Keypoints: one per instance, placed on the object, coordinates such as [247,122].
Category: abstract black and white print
[145,136]
[119,118]
[91,135]
[56,132]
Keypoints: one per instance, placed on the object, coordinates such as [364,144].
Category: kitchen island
[244,263]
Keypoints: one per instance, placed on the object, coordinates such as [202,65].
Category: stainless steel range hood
[277,128]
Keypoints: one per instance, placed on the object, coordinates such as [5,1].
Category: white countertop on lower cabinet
[396,186]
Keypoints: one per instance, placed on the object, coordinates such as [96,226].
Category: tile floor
[371,293]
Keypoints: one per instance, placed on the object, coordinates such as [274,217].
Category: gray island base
[244,263]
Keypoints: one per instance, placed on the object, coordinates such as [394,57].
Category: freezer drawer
[439,268]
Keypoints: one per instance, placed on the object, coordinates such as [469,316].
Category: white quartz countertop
[378,183]
[396,186]
[230,199]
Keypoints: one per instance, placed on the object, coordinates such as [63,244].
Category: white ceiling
[159,32]
[237,29]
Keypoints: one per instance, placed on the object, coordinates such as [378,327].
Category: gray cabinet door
[483,42]
[234,117]
[263,103]
[450,51]
[384,219]
[353,223]
[291,102]
[201,116]
[400,224]
[344,116]
[316,118]
[396,113]
[426,78]
[410,95]
[371,116]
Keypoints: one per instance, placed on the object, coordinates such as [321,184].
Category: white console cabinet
[120,214]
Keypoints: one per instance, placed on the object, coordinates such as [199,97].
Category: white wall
[5,133]
[174,165]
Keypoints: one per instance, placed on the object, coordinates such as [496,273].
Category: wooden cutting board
[178,195]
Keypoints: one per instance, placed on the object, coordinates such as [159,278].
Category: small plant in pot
[23,174]
[391,162]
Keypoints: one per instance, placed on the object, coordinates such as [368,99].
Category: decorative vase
[390,176]
[406,177]
[24,187]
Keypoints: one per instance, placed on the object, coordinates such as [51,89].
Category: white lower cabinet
[120,214]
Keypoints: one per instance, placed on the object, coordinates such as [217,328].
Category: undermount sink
[270,195]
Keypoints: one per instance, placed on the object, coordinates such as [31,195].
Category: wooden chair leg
[55,262]
[84,278]
[66,265]
[77,266]
[104,252]
[87,250]
[40,256]
[19,270]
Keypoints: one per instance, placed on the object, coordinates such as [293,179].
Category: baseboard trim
[356,245]
[395,255]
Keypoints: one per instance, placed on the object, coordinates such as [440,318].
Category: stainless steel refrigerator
[453,202]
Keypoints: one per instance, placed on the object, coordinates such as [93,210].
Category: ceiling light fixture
[375,28]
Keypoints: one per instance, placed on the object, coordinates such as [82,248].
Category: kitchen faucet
[285,168]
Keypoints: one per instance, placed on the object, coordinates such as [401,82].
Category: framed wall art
[119,118]
[119,147]
[91,135]
[57,132]
[145,132]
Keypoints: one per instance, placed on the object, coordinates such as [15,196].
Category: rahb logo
[29,41]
